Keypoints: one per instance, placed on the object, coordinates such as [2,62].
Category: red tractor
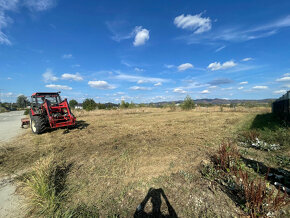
[49,111]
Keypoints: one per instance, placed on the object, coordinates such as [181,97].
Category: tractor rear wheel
[37,124]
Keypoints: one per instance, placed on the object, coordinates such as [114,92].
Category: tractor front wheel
[37,124]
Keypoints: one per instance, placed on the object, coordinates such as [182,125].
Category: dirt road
[10,125]
[10,203]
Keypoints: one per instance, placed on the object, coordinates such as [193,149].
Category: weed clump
[172,107]
[26,112]
[258,198]
[45,187]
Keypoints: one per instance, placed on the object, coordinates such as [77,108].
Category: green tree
[132,105]
[89,104]
[73,103]
[22,101]
[124,104]
[188,103]
[101,106]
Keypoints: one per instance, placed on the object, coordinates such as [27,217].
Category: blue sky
[145,51]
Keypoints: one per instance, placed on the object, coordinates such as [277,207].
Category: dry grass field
[114,157]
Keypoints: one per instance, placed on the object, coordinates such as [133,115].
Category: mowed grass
[115,157]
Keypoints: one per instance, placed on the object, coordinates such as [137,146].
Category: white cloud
[244,83]
[138,69]
[194,23]
[284,79]
[126,63]
[240,87]
[13,5]
[185,66]
[280,92]
[220,48]
[237,34]
[179,90]
[260,87]
[49,76]
[158,84]
[100,85]
[142,35]
[119,93]
[141,79]
[218,66]
[212,87]
[286,74]
[75,77]
[67,56]
[229,88]
[9,78]
[4,39]
[169,66]
[39,5]
[247,59]
[8,94]
[140,88]
[4,21]
[118,29]
[8,4]
[205,91]
[58,87]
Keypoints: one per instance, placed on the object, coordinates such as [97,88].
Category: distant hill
[219,101]
[215,101]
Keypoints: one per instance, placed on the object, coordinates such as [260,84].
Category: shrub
[124,104]
[172,106]
[132,105]
[73,103]
[101,106]
[26,112]
[89,104]
[188,103]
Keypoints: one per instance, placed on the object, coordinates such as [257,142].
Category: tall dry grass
[45,187]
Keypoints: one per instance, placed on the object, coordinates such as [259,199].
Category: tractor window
[52,99]
[39,100]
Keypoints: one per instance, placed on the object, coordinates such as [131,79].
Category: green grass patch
[268,128]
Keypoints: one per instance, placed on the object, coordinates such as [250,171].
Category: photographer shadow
[155,195]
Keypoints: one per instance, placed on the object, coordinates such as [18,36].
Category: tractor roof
[45,93]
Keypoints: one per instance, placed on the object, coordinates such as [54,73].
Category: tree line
[89,104]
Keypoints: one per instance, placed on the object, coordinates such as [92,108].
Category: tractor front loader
[49,111]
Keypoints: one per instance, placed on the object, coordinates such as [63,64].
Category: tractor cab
[38,100]
[48,110]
